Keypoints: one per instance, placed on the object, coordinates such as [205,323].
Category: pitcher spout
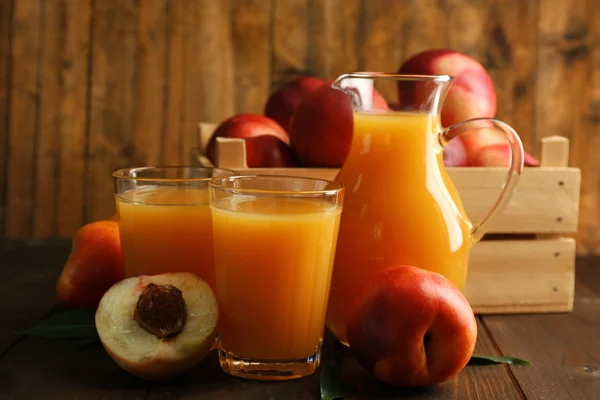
[424,93]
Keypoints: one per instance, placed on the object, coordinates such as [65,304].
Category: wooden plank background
[89,86]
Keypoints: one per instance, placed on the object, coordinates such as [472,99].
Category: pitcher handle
[514,170]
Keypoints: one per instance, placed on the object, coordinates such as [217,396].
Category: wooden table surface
[564,350]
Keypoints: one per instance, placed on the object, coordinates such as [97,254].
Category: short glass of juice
[165,220]
[274,242]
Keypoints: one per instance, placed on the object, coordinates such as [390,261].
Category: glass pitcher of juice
[401,207]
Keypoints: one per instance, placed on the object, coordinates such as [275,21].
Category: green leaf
[81,343]
[487,360]
[70,324]
[333,385]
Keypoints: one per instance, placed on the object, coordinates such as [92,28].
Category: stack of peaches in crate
[307,123]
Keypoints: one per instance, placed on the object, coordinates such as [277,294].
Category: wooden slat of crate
[521,276]
[505,276]
[546,200]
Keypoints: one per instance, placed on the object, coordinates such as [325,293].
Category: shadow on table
[207,380]
[371,388]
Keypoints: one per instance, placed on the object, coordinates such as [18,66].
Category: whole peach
[471,95]
[268,151]
[497,155]
[411,327]
[455,154]
[282,103]
[245,126]
[321,128]
[93,266]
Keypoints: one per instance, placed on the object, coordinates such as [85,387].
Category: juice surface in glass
[166,229]
[273,260]
[400,208]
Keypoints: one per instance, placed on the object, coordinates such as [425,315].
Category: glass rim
[215,184]
[125,173]
[442,78]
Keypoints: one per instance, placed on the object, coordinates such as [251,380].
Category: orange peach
[411,327]
[94,265]
[157,327]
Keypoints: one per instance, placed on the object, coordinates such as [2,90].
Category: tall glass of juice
[165,220]
[274,242]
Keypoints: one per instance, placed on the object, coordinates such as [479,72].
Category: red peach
[497,155]
[379,102]
[472,94]
[245,126]
[411,327]
[267,151]
[321,128]
[282,103]
[454,154]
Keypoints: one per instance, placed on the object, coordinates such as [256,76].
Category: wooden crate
[526,263]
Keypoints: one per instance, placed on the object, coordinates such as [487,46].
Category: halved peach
[156,327]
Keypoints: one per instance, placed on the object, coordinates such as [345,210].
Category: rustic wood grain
[171,134]
[206,380]
[383,44]
[60,152]
[27,281]
[159,67]
[487,382]
[563,53]
[427,26]
[6,8]
[563,36]
[151,88]
[23,120]
[521,276]
[208,93]
[473,17]
[73,118]
[46,151]
[563,348]
[114,83]
[586,140]
[512,64]
[335,32]
[289,41]
[65,373]
[59,370]
[474,382]
[251,43]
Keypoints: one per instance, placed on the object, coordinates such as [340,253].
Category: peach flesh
[143,353]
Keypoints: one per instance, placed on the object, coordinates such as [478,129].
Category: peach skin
[93,266]
[411,327]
